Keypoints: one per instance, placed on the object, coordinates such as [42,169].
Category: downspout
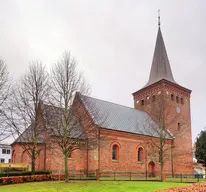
[45,156]
[99,149]
[87,164]
[172,160]
[146,156]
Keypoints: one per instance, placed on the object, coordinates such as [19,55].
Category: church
[129,134]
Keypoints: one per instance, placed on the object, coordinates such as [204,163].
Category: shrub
[13,169]
[39,172]
[21,179]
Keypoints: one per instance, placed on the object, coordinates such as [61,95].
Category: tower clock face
[178,110]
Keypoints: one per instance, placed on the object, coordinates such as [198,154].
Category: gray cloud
[113,42]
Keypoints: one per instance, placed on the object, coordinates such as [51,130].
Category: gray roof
[105,114]
[5,146]
[52,119]
[27,136]
[160,65]
[121,118]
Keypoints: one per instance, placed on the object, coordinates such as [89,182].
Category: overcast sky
[113,41]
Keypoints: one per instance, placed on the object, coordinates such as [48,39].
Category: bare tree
[25,114]
[75,123]
[5,132]
[162,146]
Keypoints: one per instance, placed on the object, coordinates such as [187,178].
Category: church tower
[175,101]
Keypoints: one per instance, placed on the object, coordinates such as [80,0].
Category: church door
[151,169]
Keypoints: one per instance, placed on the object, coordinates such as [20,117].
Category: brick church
[129,133]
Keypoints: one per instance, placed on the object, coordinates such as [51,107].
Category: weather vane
[159,18]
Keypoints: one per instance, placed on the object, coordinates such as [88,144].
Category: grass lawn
[88,186]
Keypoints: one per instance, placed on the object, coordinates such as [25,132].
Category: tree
[74,127]
[5,132]
[25,114]
[160,125]
[200,148]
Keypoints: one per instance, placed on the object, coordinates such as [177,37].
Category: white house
[5,153]
[199,169]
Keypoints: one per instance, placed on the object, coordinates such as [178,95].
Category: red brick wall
[55,159]
[128,146]
[183,140]
[128,143]
[19,155]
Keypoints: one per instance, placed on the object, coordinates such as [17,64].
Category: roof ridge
[50,105]
[114,103]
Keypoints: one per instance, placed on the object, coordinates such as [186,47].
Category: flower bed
[30,178]
[197,187]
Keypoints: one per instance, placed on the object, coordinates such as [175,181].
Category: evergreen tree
[200,149]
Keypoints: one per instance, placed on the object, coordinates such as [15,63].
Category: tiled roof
[105,114]
[122,118]
[52,117]
[5,145]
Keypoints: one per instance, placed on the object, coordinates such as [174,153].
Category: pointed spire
[160,65]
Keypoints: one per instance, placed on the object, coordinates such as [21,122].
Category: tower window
[142,102]
[153,98]
[177,99]
[172,97]
[178,126]
[182,101]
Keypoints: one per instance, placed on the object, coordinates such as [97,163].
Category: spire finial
[159,18]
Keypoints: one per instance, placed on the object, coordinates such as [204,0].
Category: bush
[39,172]
[30,178]
[21,179]
[13,169]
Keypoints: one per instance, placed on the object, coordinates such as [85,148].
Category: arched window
[140,154]
[153,98]
[172,97]
[178,126]
[182,101]
[70,152]
[115,152]
[142,102]
[70,155]
[177,99]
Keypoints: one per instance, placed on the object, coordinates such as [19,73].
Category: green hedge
[25,173]
[13,169]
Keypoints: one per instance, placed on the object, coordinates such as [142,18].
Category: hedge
[25,173]
[31,178]
[13,169]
